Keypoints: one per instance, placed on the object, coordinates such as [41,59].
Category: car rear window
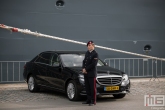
[44,58]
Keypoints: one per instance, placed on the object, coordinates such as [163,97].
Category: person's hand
[84,71]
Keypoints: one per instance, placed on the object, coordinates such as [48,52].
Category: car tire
[32,85]
[119,96]
[72,91]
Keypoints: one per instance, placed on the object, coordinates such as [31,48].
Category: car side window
[55,60]
[44,58]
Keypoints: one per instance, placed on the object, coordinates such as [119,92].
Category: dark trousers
[90,85]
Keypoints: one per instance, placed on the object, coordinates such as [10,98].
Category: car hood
[101,70]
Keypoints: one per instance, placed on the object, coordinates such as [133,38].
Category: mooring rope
[26,31]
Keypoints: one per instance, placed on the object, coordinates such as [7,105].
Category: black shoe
[92,104]
[87,102]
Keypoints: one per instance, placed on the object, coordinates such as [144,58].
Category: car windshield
[75,60]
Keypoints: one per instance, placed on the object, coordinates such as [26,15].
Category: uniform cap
[90,42]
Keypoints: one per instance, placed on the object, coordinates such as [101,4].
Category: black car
[62,71]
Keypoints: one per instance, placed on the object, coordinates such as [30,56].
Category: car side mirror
[106,64]
[56,64]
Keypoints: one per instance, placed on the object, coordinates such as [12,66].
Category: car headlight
[81,77]
[125,80]
[125,77]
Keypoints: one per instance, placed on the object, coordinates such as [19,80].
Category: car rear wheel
[119,96]
[32,86]
[72,91]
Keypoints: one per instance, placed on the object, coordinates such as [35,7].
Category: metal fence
[138,67]
[11,71]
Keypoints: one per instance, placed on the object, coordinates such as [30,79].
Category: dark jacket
[90,63]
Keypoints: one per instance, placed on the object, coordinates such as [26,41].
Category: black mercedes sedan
[62,71]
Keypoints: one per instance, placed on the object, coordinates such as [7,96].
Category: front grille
[109,80]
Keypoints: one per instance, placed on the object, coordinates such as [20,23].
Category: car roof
[66,52]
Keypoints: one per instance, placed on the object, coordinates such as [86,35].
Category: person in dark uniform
[89,69]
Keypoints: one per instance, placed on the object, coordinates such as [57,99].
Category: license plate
[111,88]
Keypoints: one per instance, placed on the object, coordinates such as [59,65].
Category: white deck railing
[12,71]
[138,67]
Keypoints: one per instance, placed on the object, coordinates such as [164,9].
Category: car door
[55,73]
[41,66]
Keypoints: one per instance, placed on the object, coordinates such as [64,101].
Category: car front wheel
[72,91]
[32,86]
[119,96]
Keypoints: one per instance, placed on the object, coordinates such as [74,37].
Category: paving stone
[19,92]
